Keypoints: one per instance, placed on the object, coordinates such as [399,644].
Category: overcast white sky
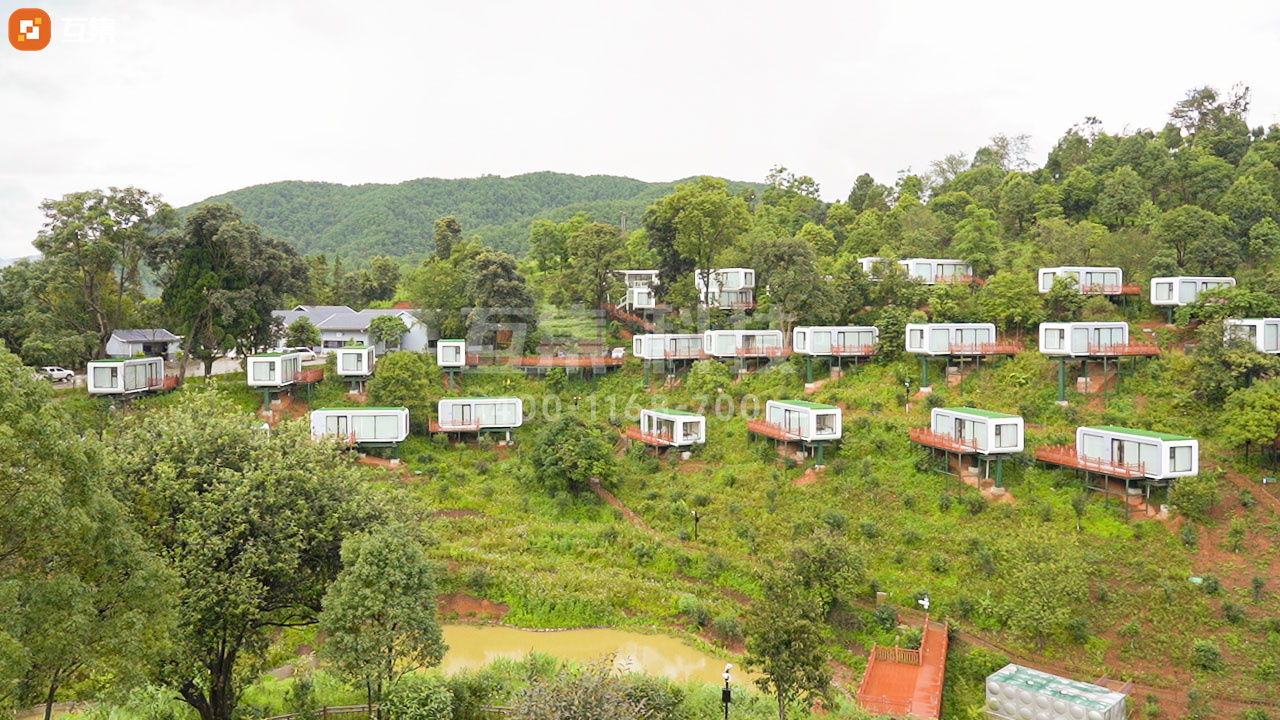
[193,99]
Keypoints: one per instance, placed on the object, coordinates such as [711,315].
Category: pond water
[474,646]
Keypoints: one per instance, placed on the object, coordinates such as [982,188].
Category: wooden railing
[1124,349]
[686,354]
[163,383]
[436,426]
[901,656]
[982,349]
[1111,289]
[925,436]
[958,280]
[770,351]
[648,438]
[853,350]
[566,361]
[309,375]
[773,430]
[1068,456]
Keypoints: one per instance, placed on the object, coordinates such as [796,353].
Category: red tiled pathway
[907,683]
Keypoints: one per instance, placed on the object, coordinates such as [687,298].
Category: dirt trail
[627,512]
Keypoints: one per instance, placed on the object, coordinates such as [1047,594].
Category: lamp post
[696,518]
[726,696]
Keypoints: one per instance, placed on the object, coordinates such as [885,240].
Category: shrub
[886,616]
[708,377]
[568,454]
[1247,499]
[1211,585]
[1235,534]
[1188,536]
[472,692]
[835,519]
[1196,495]
[419,697]
[1233,612]
[939,563]
[728,626]
[694,609]
[869,529]
[1206,656]
[1078,629]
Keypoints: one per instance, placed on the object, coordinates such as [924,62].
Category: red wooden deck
[853,350]
[656,439]
[777,432]
[1129,349]
[686,354]
[436,427]
[985,349]
[907,683]
[568,361]
[958,280]
[1067,456]
[310,375]
[764,352]
[925,436]
[166,383]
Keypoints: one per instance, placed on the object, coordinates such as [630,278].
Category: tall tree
[252,523]
[302,333]
[447,234]
[977,239]
[387,330]
[222,278]
[82,594]
[93,245]
[501,299]
[568,454]
[379,283]
[788,267]
[441,289]
[380,613]
[707,219]
[784,643]
[596,251]
[1188,226]
[1121,197]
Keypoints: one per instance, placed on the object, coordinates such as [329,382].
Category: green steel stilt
[820,447]
[808,368]
[1062,379]
[924,371]
[999,472]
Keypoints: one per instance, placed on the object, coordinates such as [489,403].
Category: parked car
[56,374]
[307,353]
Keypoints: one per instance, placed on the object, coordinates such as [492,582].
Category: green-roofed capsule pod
[1160,456]
[125,376]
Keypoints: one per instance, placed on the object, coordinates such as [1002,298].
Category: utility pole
[624,223]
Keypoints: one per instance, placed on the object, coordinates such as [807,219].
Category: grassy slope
[562,561]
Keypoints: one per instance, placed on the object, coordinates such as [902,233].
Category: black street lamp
[696,518]
[726,696]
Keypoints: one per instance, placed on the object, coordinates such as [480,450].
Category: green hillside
[361,221]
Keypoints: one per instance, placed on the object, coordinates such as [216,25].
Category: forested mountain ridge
[362,221]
